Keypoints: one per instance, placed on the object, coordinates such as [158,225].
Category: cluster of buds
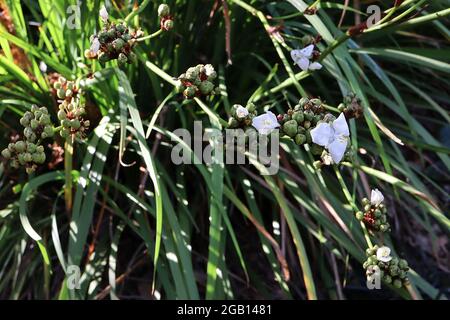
[114,41]
[166,20]
[198,81]
[351,106]
[71,109]
[298,122]
[375,213]
[390,269]
[29,152]
[241,117]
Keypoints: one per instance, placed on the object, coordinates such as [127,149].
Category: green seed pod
[403,264]
[307,124]
[359,215]
[118,44]
[20,146]
[402,274]
[75,124]
[192,73]
[103,37]
[121,28]
[65,123]
[61,93]
[309,115]
[111,33]
[367,207]
[377,213]
[57,85]
[12,147]
[316,119]
[189,92]
[206,87]
[297,107]
[298,116]
[122,58]
[45,120]
[27,157]
[64,133]
[365,201]
[316,102]
[163,10]
[24,121]
[6,154]
[373,259]
[48,130]
[62,115]
[31,147]
[300,139]
[40,149]
[303,102]
[126,37]
[290,128]
[39,158]
[316,149]
[387,279]
[21,159]
[132,57]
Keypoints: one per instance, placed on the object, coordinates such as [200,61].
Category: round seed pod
[303,102]
[189,92]
[163,10]
[20,146]
[309,115]
[397,283]
[6,154]
[359,215]
[168,25]
[62,115]
[61,93]
[300,139]
[103,57]
[75,124]
[121,28]
[290,128]
[206,87]
[298,116]
[122,58]
[118,44]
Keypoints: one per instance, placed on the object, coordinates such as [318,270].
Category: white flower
[303,56]
[241,112]
[95,46]
[265,123]
[334,137]
[104,14]
[384,254]
[43,66]
[376,197]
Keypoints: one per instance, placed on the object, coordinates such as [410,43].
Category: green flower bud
[118,44]
[45,119]
[102,37]
[192,73]
[122,58]
[309,115]
[24,121]
[359,215]
[367,207]
[126,37]
[377,213]
[303,102]
[62,115]
[65,123]
[290,128]
[387,279]
[168,25]
[31,147]
[307,124]
[298,116]
[316,149]
[20,146]
[57,85]
[316,102]
[308,136]
[189,92]
[403,264]
[27,157]
[64,133]
[163,10]
[15,163]
[35,108]
[397,283]
[75,124]
[206,87]
[132,57]
[61,93]
[297,107]
[48,130]
[300,139]
[6,154]
[365,201]
[121,28]
[39,157]
[384,227]
[103,57]
[40,149]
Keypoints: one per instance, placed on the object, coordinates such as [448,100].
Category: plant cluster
[198,81]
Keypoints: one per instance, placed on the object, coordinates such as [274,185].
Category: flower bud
[300,139]
[168,25]
[62,115]
[397,283]
[298,116]
[206,87]
[309,115]
[39,157]
[6,154]
[303,102]
[103,58]
[20,146]
[61,93]
[121,28]
[290,128]
[118,44]
[75,124]
[163,10]
[359,215]
[189,92]
[122,58]
[316,102]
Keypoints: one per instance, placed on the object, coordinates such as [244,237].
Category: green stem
[68,157]
[150,36]
[137,11]
[352,204]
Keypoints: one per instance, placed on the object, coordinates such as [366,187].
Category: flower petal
[303,63]
[241,112]
[307,51]
[322,134]
[296,54]
[340,126]
[265,123]
[315,66]
[95,46]
[337,149]
[376,197]
[104,13]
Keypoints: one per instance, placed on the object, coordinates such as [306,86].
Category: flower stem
[150,36]
[68,157]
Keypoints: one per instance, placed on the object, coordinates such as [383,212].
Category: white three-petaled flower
[384,254]
[376,197]
[334,137]
[241,112]
[265,123]
[303,56]
[104,13]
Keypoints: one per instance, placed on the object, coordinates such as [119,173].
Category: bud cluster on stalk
[29,152]
[241,117]
[71,109]
[298,122]
[394,271]
[374,216]
[114,41]
[166,20]
[198,81]
[351,106]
